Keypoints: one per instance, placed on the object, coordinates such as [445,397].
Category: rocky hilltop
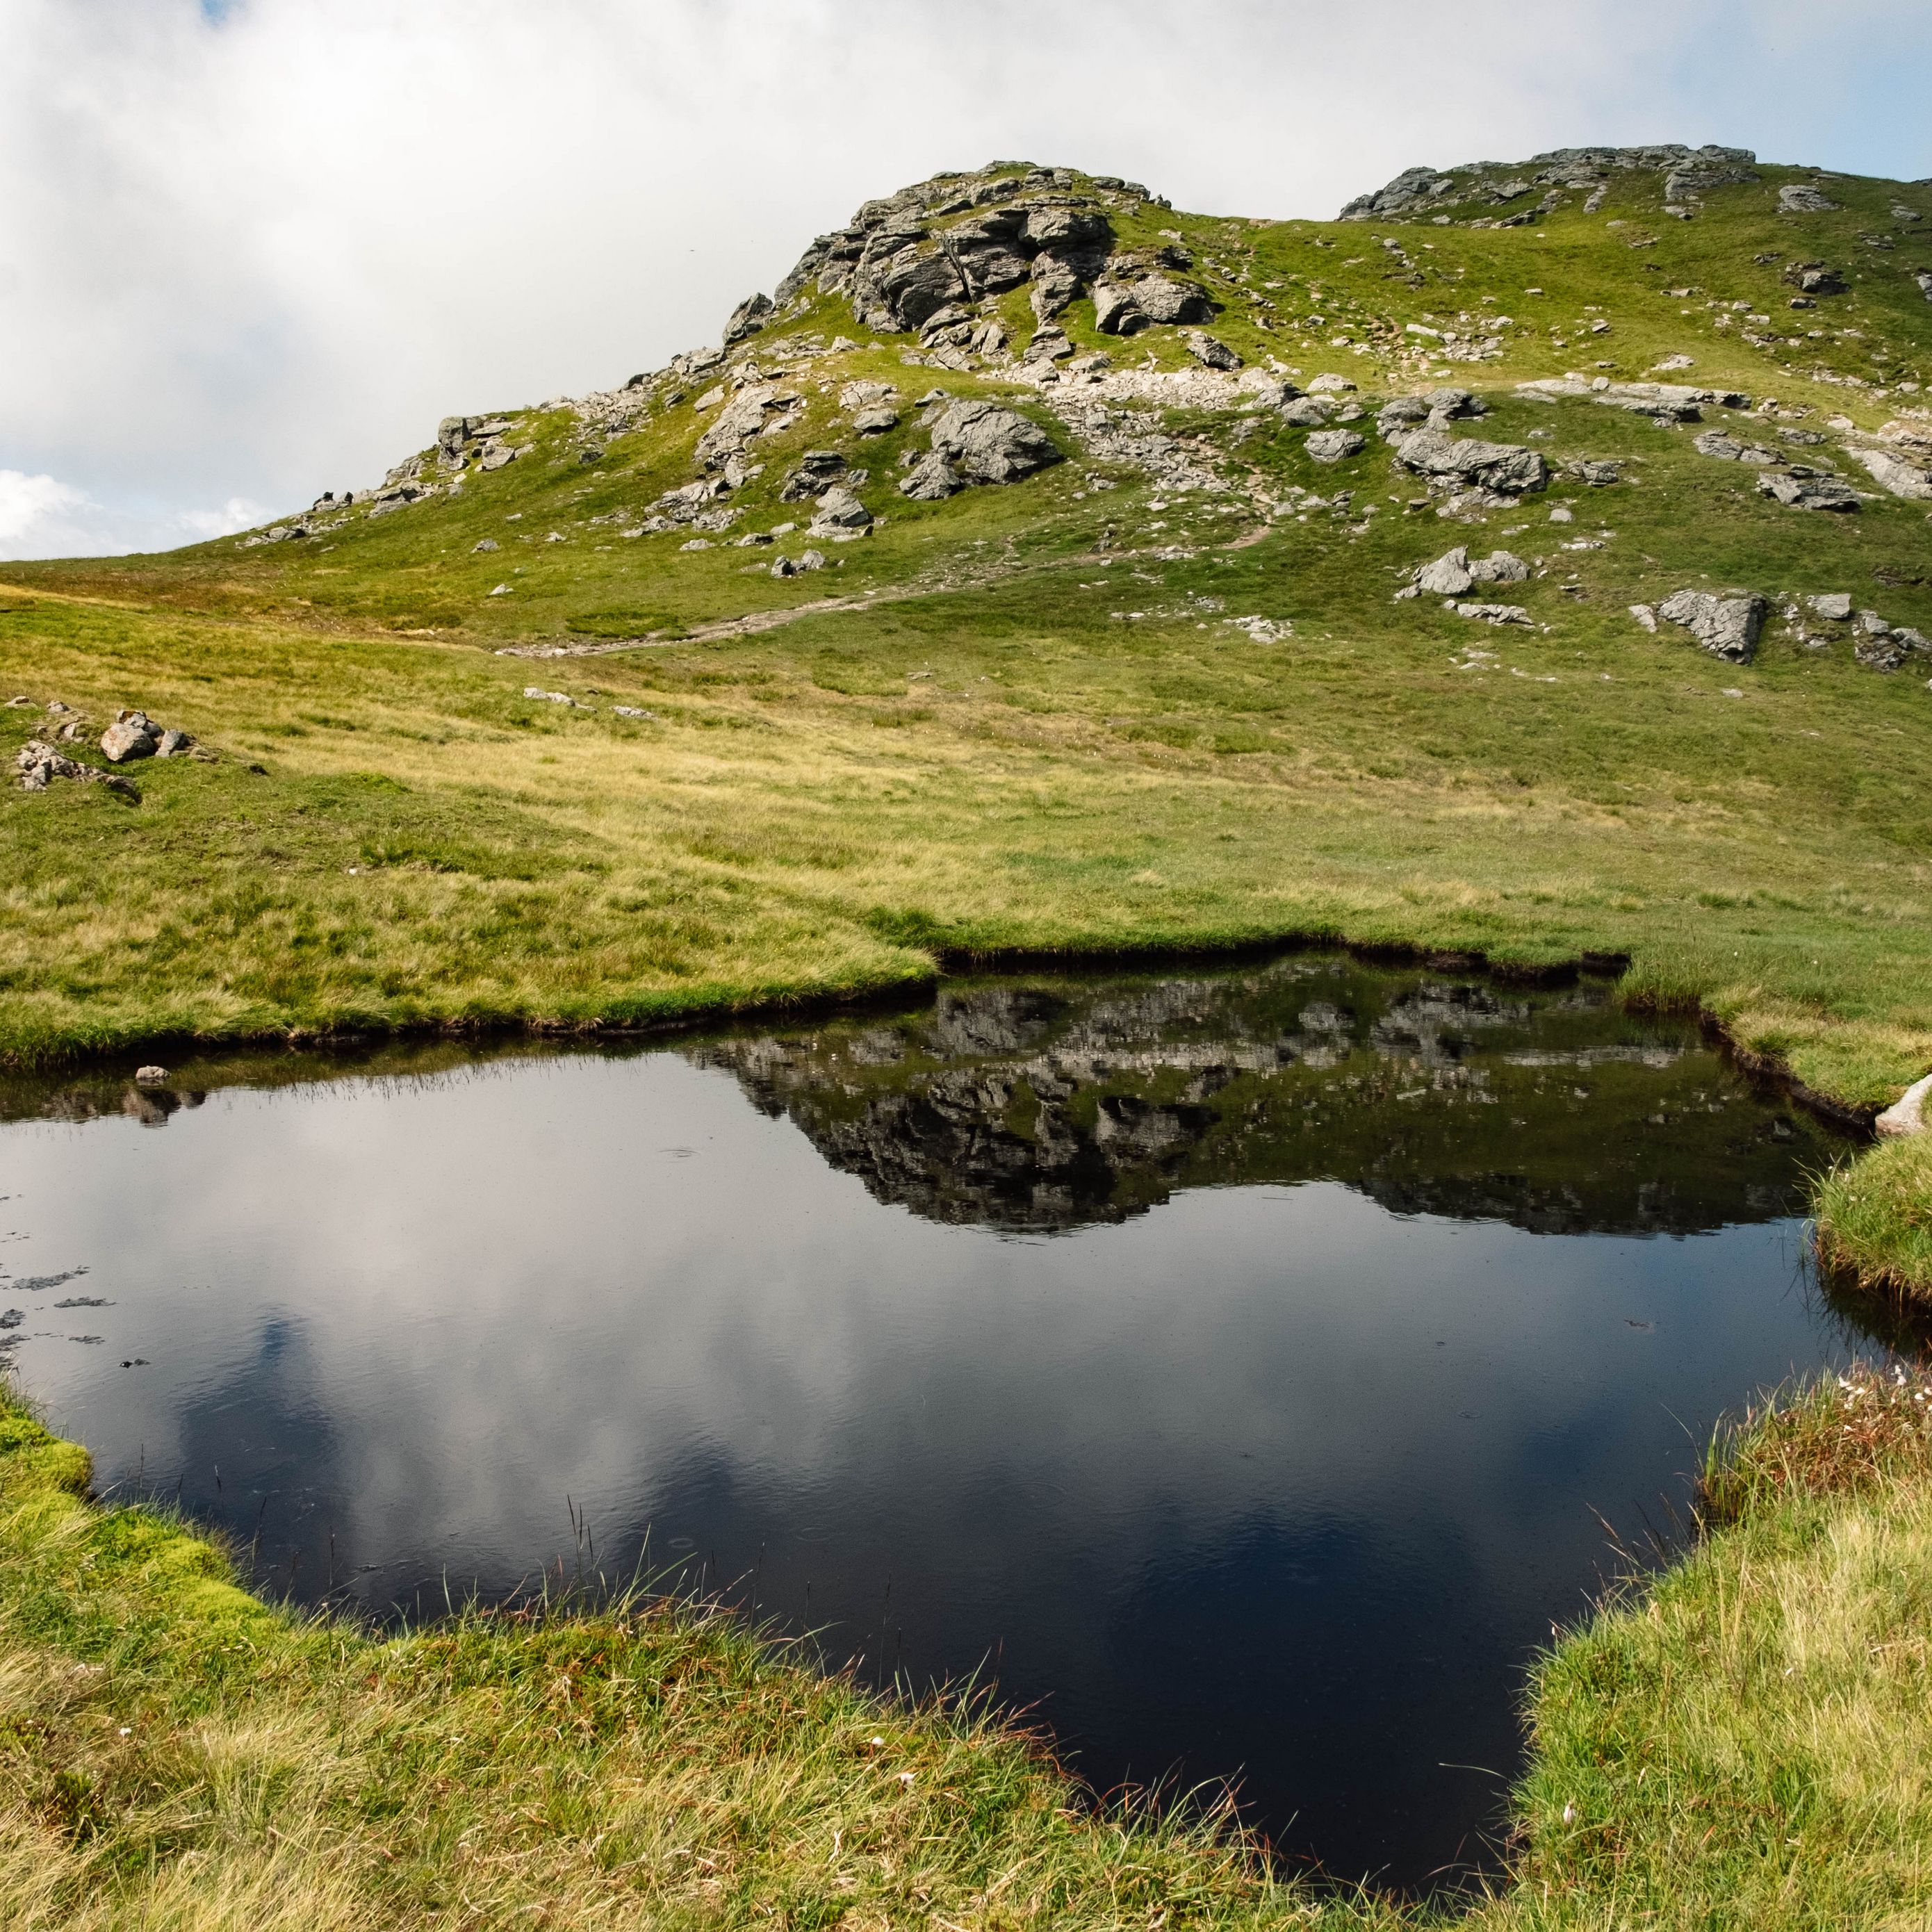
[1251,370]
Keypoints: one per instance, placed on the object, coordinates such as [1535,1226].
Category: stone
[1835,606]
[811,559]
[1055,285]
[150,1076]
[1727,627]
[840,513]
[1727,448]
[1448,576]
[172,745]
[1906,1115]
[1209,352]
[876,421]
[1448,402]
[132,735]
[1330,384]
[988,443]
[1306,412]
[817,470]
[1923,277]
[1881,650]
[1500,566]
[1501,468]
[1048,344]
[931,479]
[1165,301]
[1599,475]
[1331,446]
[1494,613]
[1891,472]
[1813,278]
[1115,311]
[485,543]
[1801,198]
[1400,415]
[755,409]
[1645,616]
[1808,492]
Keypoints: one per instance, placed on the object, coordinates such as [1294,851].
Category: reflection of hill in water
[1054,1104]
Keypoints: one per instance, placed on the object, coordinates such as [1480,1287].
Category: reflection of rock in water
[1046,1107]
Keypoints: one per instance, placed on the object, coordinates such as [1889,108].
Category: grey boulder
[1801,198]
[1891,472]
[1209,352]
[987,443]
[1162,300]
[1727,448]
[1727,627]
[1306,411]
[748,318]
[1813,492]
[1115,311]
[1504,468]
[931,479]
[1331,446]
[839,513]
[132,735]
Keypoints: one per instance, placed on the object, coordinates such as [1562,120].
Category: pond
[1243,1368]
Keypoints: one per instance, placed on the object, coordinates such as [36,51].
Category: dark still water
[1234,1363]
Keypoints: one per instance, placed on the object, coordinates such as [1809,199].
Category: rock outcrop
[1727,627]
[1505,469]
[1428,193]
[956,239]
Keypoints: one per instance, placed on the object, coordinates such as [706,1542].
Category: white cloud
[257,250]
[30,506]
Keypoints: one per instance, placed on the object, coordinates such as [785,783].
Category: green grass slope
[1027,716]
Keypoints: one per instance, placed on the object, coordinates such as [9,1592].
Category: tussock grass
[1739,1740]
[173,1752]
[1874,1217]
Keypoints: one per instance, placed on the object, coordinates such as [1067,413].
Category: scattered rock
[1306,411]
[1645,616]
[151,1076]
[1400,415]
[1802,490]
[1163,300]
[1813,278]
[1331,446]
[1115,311]
[1330,384]
[876,421]
[931,479]
[1210,352]
[988,443]
[1801,198]
[1906,1115]
[1727,448]
[1500,469]
[1494,613]
[1727,627]
[1834,606]
[486,543]
[39,764]
[748,318]
[840,515]
[1902,479]
[1455,572]
[1600,474]
[134,734]
[817,470]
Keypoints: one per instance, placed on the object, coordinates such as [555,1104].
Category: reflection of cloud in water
[1270,1476]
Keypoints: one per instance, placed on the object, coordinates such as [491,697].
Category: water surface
[1235,1365]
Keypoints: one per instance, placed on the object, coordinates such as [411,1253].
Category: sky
[253,250]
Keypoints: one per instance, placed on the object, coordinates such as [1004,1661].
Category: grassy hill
[558,748]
